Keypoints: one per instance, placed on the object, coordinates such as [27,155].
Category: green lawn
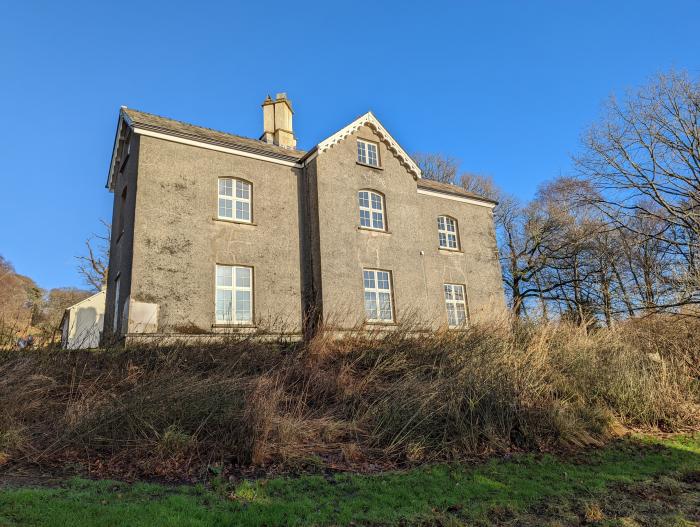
[611,486]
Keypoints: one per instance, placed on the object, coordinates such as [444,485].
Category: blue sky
[506,87]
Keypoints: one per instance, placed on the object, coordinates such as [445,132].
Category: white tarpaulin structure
[81,326]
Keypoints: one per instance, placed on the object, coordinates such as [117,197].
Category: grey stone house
[213,232]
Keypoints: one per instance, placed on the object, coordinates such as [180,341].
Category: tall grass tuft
[392,398]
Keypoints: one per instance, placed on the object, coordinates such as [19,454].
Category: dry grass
[356,402]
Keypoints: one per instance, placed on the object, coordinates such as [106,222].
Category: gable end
[372,122]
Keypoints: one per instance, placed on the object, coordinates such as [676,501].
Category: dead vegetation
[358,403]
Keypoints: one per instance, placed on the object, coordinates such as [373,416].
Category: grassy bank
[637,481]
[360,403]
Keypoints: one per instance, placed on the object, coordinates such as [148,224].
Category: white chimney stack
[277,121]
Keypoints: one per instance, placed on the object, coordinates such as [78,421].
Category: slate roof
[156,123]
[428,184]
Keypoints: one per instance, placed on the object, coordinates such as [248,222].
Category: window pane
[369,279]
[242,190]
[382,280]
[459,292]
[223,275]
[243,210]
[243,308]
[376,201]
[242,277]
[364,199]
[361,152]
[244,317]
[364,218]
[451,316]
[243,301]
[460,314]
[385,306]
[371,305]
[441,223]
[372,154]
[448,292]
[452,241]
[225,187]
[450,223]
[225,209]
[223,305]
[377,220]
[443,239]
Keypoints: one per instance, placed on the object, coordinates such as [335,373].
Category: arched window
[447,233]
[371,210]
[235,199]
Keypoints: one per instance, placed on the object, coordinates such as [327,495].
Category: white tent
[81,325]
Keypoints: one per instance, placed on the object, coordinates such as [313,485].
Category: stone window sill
[239,222]
[369,166]
[231,326]
[450,251]
[378,231]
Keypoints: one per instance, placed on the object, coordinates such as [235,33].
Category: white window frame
[234,288]
[371,210]
[453,303]
[234,199]
[375,290]
[364,153]
[444,231]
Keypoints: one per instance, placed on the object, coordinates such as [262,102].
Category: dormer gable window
[367,153]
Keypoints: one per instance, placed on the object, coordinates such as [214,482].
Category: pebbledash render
[216,233]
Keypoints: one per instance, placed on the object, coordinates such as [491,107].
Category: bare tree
[480,185]
[534,252]
[644,158]
[445,169]
[437,167]
[94,264]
